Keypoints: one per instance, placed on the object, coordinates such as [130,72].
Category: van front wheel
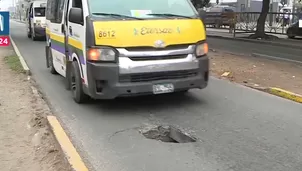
[76,84]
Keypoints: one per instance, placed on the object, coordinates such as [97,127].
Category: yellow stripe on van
[75,43]
[57,37]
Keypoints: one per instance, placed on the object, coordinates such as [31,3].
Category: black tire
[290,34]
[76,84]
[50,61]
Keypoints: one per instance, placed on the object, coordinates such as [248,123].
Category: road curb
[256,41]
[285,94]
[280,93]
[22,60]
[71,154]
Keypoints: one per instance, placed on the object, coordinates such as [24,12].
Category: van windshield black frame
[39,11]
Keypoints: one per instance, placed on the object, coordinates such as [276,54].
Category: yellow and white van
[108,49]
[35,19]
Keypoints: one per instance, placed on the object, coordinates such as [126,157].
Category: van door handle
[62,28]
[70,30]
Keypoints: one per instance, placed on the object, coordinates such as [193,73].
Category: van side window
[77,3]
[60,11]
[55,10]
[51,10]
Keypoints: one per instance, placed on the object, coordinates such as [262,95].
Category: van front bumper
[106,82]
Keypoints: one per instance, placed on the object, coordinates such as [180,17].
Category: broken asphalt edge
[256,41]
[70,153]
[281,93]
[23,63]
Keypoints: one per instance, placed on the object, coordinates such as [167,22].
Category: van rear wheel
[76,84]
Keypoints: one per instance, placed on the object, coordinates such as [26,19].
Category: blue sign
[4,23]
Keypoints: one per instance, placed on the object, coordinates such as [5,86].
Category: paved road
[249,48]
[238,129]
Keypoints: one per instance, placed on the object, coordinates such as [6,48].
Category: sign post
[4,28]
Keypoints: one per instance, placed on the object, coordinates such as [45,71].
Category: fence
[246,22]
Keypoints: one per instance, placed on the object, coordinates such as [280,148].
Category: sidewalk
[282,41]
[256,72]
[26,143]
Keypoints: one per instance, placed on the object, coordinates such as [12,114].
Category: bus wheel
[50,61]
[76,84]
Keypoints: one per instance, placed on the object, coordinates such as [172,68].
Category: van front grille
[146,58]
[149,48]
[143,77]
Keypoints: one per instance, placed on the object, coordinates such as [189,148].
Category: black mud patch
[167,134]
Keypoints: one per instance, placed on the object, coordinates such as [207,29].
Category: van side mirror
[76,16]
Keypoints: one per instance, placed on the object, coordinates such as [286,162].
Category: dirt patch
[26,142]
[256,72]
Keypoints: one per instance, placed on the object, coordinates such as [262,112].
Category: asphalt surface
[249,48]
[238,129]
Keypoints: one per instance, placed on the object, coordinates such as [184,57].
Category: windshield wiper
[169,15]
[117,15]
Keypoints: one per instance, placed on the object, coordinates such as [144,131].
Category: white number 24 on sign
[4,41]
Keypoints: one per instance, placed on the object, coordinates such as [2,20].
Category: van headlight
[201,49]
[102,54]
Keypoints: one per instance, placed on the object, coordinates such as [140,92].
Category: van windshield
[39,12]
[142,9]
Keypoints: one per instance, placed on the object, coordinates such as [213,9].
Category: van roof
[38,3]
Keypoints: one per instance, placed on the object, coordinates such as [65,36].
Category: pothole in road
[167,134]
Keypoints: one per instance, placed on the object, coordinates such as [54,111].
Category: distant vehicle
[35,19]
[219,16]
[294,30]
